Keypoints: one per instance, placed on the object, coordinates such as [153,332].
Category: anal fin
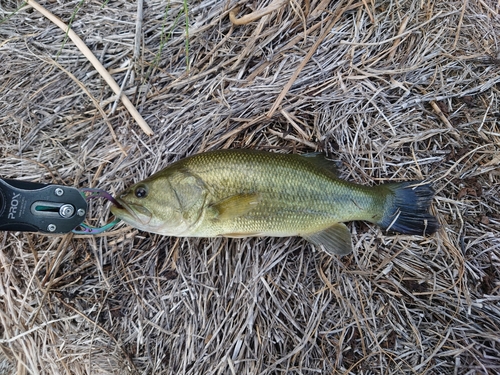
[335,240]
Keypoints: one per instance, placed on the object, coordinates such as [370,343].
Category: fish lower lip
[134,213]
[120,206]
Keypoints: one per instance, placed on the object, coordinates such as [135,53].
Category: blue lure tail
[407,209]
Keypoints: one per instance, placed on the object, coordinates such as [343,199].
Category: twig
[94,100]
[289,137]
[34,329]
[186,28]
[97,65]
[275,5]
[231,133]
[396,43]
[370,14]
[308,57]
[399,36]
[459,27]
[138,33]
[443,118]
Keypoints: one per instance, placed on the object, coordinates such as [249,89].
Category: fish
[249,193]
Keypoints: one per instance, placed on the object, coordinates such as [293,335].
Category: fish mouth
[132,214]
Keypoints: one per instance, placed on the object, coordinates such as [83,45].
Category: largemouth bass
[240,193]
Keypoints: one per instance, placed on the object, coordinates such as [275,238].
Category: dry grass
[392,89]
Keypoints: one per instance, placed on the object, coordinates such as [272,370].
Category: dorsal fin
[319,159]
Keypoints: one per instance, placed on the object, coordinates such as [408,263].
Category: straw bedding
[393,90]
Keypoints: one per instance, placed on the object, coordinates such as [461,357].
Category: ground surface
[393,90]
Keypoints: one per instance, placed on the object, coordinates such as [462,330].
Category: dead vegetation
[394,90]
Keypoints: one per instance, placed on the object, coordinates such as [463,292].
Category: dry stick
[443,118]
[457,163]
[493,12]
[315,13]
[454,133]
[289,137]
[94,100]
[138,32]
[372,19]
[309,56]
[275,5]
[307,8]
[258,14]
[396,43]
[34,329]
[289,45]
[250,43]
[233,132]
[320,8]
[419,26]
[96,63]
[457,35]
[135,56]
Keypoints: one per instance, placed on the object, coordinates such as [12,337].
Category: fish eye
[141,192]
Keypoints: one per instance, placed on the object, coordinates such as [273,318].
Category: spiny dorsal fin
[319,159]
[234,206]
[335,240]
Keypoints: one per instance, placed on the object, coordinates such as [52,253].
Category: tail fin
[407,209]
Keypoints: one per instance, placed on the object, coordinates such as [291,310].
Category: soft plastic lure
[93,193]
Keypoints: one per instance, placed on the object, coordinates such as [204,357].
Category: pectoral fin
[234,206]
[334,240]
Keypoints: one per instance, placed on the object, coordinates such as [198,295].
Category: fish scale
[294,193]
